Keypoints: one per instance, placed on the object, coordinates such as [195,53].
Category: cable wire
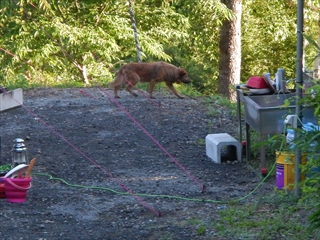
[153,195]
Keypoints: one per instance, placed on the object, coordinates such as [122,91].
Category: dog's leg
[116,88]
[151,87]
[129,89]
[134,79]
[116,84]
[173,90]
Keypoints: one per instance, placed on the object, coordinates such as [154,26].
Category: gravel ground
[129,168]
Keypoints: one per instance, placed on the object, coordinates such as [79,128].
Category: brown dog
[132,73]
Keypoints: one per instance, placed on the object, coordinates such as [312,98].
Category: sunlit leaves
[59,37]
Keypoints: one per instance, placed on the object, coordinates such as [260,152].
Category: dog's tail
[117,81]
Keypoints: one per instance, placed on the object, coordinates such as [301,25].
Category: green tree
[200,54]
[268,38]
[54,40]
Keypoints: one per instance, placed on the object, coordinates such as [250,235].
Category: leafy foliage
[55,40]
[200,55]
[269,38]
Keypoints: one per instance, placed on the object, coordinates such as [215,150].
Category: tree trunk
[83,71]
[230,51]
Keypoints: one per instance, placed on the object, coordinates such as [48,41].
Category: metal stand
[247,133]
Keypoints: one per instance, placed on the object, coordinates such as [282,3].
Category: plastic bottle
[281,80]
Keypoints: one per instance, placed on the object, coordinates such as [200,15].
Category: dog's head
[183,76]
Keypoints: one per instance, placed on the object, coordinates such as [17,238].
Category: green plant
[195,221]
[201,230]
[166,237]
[18,81]
[308,140]
[215,101]
[314,218]
[201,226]
[270,217]
[213,111]
[201,141]
[188,90]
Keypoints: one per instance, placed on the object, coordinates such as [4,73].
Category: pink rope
[88,95]
[153,139]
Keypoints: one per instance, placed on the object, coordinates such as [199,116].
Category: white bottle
[280,80]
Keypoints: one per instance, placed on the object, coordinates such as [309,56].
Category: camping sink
[266,113]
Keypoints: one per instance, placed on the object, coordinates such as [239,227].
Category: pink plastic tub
[16,189]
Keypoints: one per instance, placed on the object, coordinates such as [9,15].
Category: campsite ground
[129,168]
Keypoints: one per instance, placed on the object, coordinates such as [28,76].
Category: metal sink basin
[266,113]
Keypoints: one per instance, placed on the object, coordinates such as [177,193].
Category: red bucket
[2,191]
[16,189]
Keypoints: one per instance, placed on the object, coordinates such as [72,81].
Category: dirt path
[91,153]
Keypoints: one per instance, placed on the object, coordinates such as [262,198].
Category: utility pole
[299,73]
